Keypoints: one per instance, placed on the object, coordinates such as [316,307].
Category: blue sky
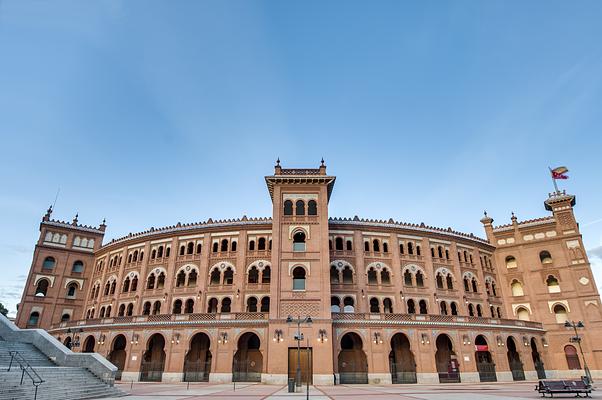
[150,113]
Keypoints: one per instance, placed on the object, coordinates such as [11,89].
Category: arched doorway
[448,366]
[516,365]
[197,362]
[248,360]
[153,359]
[401,360]
[485,364]
[539,367]
[89,344]
[68,342]
[353,364]
[117,355]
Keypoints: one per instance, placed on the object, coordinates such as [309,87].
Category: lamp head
[289,319]
[580,324]
[567,324]
[309,320]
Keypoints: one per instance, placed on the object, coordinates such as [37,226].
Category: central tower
[300,258]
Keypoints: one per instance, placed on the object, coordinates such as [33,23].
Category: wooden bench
[578,387]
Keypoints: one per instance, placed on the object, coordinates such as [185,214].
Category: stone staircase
[62,383]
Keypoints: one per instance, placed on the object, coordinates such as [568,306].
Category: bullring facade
[387,302]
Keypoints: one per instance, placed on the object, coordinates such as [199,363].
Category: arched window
[450,281]
[189,307]
[511,262]
[150,284]
[312,207]
[439,279]
[561,314]
[374,306]
[466,284]
[215,247]
[572,359]
[349,245]
[212,306]
[471,310]
[366,246]
[42,288]
[121,310]
[265,275]
[407,278]
[261,244]
[265,304]
[552,283]
[71,288]
[493,290]
[299,241]
[157,308]
[401,248]
[338,243]
[130,310]
[375,245]
[192,278]
[65,317]
[288,207]
[474,285]
[182,250]
[107,288]
[34,317]
[419,279]
[433,252]
[253,276]
[417,250]
[226,305]
[224,245]
[233,246]
[228,276]
[129,258]
[410,248]
[334,274]
[411,307]
[499,312]
[199,248]
[134,284]
[335,304]
[545,257]
[147,308]
[299,278]
[49,263]
[300,207]
[492,310]
[160,252]
[385,247]
[161,280]
[347,275]
[422,306]
[387,306]
[447,254]
[348,305]
[372,279]
[177,307]
[440,251]
[523,314]
[190,248]
[479,310]
[180,278]
[385,277]
[252,304]
[126,285]
[153,254]
[454,308]
[443,308]
[113,286]
[108,313]
[517,288]
[78,267]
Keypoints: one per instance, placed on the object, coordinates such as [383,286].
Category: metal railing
[26,368]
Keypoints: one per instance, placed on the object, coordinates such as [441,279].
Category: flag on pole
[559,173]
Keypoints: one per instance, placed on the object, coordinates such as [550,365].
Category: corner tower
[300,258]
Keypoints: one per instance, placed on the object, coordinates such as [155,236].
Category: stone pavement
[482,391]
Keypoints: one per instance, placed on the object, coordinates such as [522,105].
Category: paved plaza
[181,391]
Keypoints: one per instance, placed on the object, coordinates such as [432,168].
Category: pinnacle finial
[75,219]
[485,213]
[278,162]
[49,211]
[322,162]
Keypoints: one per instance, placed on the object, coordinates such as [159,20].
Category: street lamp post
[298,338]
[577,339]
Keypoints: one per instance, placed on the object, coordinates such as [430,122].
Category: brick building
[376,301]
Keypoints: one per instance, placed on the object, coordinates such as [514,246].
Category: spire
[75,219]
[103,225]
[277,167]
[486,220]
[322,167]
